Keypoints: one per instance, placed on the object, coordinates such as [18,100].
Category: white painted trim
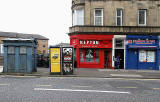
[145,17]
[75,17]
[113,52]
[101,16]
[121,16]
[124,54]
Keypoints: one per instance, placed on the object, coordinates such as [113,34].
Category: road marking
[4,84]
[16,76]
[156,88]
[125,78]
[143,79]
[126,75]
[44,85]
[127,87]
[72,90]
[82,86]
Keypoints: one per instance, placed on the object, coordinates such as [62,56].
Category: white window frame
[145,17]
[1,49]
[75,17]
[98,16]
[146,56]
[121,17]
[121,42]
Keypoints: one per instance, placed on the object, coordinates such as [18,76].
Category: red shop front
[92,51]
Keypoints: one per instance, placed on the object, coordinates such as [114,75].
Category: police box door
[23,59]
[11,59]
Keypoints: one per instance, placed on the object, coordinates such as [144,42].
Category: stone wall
[130,11]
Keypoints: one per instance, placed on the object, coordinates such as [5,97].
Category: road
[75,89]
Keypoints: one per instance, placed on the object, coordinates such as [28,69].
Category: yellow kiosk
[61,60]
[55,60]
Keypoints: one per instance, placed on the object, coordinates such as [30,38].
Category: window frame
[1,48]
[73,17]
[146,53]
[76,17]
[145,17]
[83,51]
[121,42]
[121,17]
[98,16]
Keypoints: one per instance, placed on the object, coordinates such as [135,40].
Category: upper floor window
[98,17]
[119,17]
[78,17]
[142,17]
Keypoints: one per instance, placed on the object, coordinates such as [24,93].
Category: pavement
[114,73]
[95,73]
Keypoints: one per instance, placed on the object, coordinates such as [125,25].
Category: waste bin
[61,60]
[19,55]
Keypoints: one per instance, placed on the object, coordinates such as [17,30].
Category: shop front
[142,52]
[92,51]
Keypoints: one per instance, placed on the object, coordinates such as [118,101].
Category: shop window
[119,43]
[89,55]
[146,56]
[97,55]
[81,55]
[98,17]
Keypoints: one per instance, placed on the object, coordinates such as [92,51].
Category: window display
[146,56]
[96,55]
[150,56]
[81,55]
[142,56]
[89,55]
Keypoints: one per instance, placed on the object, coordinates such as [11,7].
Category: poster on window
[142,56]
[67,54]
[150,56]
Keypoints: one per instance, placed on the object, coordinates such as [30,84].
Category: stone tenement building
[104,29]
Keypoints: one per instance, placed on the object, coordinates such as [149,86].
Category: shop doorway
[120,53]
[108,59]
